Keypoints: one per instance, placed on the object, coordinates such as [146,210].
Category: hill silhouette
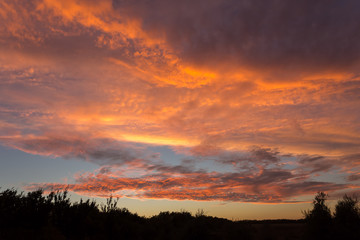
[38,216]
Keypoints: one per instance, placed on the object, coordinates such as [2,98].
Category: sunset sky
[242,108]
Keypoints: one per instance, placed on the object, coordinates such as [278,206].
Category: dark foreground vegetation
[38,216]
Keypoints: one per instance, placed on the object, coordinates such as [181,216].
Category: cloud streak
[179,183]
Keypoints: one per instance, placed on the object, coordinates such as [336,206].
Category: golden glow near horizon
[182,105]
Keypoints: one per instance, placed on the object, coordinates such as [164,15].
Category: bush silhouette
[347,218]
[347,210]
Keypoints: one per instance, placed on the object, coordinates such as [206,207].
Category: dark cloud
[316,163]
[265,154]
[101,151]
[205,196]
[273,176]
[297,188]
[174,169]
[249,160]
[261,34]
[353,159]
[353,177]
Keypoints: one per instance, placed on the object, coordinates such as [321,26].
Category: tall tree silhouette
[319,218]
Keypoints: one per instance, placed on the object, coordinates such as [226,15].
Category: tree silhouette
[319,218]
[347,218]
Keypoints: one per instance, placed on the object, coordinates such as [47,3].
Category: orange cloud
[96,79]
[268,186]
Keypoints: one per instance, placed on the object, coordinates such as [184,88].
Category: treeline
[53,216]
[35,216]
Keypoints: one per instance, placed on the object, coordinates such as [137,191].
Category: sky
[244,109]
